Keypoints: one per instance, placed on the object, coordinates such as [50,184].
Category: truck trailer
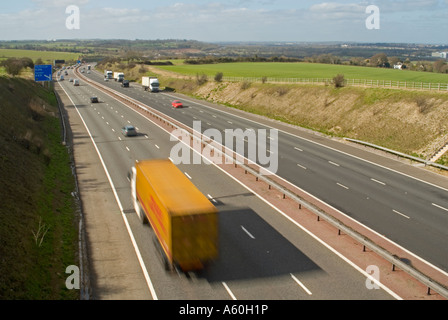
[150,83]
[184,221]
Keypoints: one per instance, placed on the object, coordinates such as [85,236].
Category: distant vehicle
[89,67]
[177,104]
[61,78]
[129,131]
[76,82]
[184,221]
[150,83]
[66,73]
[118,76]
[94,99]
[108,74]
[125,83]
[106,79]
[88,71]
[70,80]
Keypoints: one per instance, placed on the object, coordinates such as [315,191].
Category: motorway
[408,211]
[264,256]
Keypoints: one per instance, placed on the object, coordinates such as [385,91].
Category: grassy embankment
[38,225]
[409,121]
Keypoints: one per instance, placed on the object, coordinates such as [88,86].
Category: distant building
[398,66]
[442,55]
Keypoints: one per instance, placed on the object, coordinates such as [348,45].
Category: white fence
[348,82]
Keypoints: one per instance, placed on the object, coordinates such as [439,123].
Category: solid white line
[248,233]
[301,284]
[401,214]
[334,163]
[188,175]
[131,235]
[229,291]
[377,181]
[440,207]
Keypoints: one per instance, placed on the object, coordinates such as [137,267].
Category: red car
[177,104]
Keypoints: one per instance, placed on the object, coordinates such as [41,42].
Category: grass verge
[38,224]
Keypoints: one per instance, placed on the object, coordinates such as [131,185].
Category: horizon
[218,21]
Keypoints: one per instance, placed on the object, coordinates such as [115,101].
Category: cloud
[59,3]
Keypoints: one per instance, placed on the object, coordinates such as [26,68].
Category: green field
[306,70]
[46,56]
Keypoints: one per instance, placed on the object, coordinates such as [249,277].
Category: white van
[76,82]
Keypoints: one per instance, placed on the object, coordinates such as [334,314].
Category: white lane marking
[341,185]
[377,181]
[301,166]
[211,198]
[440,207]
[248,233]
[229,291]
[188,176]
[334,163]
[127,148]
[298,149]
[401,214]
[157,146]
[301,284]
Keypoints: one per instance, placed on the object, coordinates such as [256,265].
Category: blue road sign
[43,72]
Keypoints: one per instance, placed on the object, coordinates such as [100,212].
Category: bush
[14,66]
[219,76]
[245,85]
[201,79]
[339,81]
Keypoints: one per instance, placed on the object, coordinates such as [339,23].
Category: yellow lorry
[184,221]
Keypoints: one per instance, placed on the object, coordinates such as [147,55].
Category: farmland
[305,70]
[46,56]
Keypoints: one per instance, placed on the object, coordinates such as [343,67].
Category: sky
[390,21]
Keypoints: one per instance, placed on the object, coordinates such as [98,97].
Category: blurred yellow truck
[184,221]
